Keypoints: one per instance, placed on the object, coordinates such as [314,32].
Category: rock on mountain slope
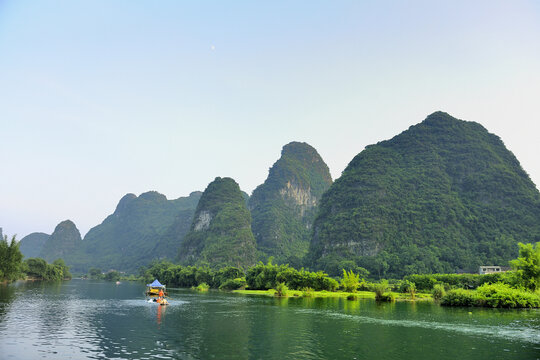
[441,196]
[284,207]
[220,234]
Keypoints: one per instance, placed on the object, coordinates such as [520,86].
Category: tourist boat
[152,293]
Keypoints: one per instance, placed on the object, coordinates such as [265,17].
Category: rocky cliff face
[443,195]
[220,233]
[63,242]
[283,208]
[31,244]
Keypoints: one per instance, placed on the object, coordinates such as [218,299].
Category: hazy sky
[102,98]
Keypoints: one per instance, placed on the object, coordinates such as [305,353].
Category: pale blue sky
[102,98]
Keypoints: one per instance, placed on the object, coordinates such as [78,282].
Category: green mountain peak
[283,208]
[220,233]
[442,196]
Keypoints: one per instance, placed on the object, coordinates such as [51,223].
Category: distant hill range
[284,207]
[141,229]
[63,242]
[443,195]
[31,244]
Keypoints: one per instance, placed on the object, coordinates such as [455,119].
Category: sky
[103,98]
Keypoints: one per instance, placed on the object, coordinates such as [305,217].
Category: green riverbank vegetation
[12,266]
[513,289]
[519,288]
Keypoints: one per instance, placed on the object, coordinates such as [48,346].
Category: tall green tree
[10,259]
[350,281]
[527,265]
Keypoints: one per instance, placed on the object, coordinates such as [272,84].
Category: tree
[527,265]
[350,281]
[95,273]
[112,276]
[10,259]
[62,265]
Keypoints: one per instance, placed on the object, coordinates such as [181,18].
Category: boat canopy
[156,283]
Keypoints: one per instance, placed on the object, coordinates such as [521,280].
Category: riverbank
[338,294]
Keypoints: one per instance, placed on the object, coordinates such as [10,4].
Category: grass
[339,294]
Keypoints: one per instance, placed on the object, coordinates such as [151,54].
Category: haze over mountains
[443,196]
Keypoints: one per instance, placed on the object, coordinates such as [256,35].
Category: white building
[489,269]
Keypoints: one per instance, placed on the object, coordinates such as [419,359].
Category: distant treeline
[12,267]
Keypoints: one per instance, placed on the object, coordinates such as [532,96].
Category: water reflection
[84,319]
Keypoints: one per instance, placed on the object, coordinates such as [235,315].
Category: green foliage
[220,233]
[350,281]
[65,269]
[10,259]
[527,265]
[380,289]
[307,292]
[281,220]
[191,276]
[264,277]
[492,295]
[202,287]
[438,292]
[389,297]
[442,196]
[233,284]
[459,297]
[407,286]
[426,282]
[112,275]
[281,289]
[95,273]
[38,268]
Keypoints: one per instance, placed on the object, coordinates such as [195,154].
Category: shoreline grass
[337,294]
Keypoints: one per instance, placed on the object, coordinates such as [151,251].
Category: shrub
[380,289]
[412,290]
[112,275]
[350,281]
[426,282]
[502,295]
[386,297]
[307,292]
[352,297]
[233,284]
[492,295]
[458,297]
[281,289]
[438,292]
[407,286]
[202,287]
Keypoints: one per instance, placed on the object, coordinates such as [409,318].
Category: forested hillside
[284,207]
[443,196]
[140,229]
[220,234]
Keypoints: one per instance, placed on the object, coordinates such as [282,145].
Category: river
[86,319]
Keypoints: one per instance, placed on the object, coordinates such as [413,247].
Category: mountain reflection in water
[86,319]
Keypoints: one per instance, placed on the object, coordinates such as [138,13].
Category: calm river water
[100,320]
